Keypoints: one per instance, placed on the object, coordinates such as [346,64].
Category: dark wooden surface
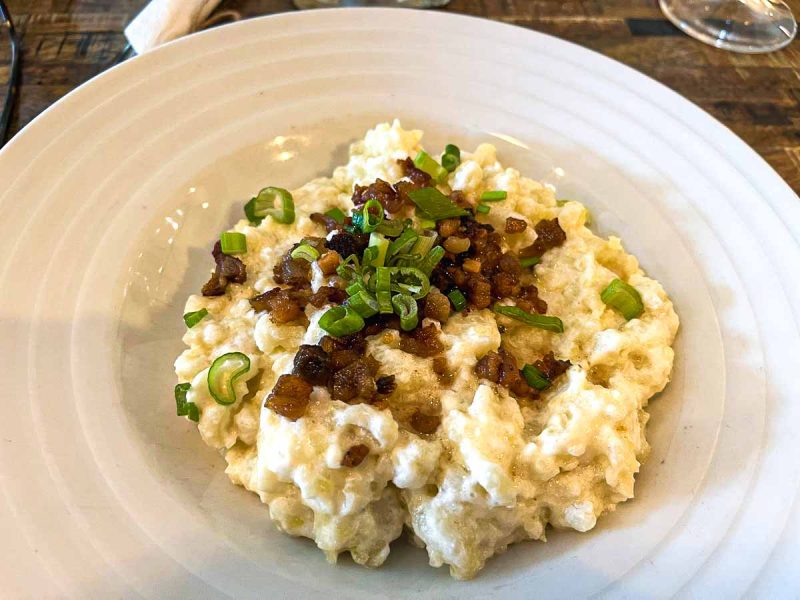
[65,42]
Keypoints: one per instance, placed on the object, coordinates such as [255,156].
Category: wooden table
[758,96]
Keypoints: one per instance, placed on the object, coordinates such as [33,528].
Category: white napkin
[162,21]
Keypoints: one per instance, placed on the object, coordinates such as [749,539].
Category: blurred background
[66,42]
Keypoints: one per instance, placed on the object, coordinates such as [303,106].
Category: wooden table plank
[66,42]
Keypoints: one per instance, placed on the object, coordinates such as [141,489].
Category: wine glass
[740,25]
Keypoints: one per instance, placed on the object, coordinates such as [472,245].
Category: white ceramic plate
[111,199]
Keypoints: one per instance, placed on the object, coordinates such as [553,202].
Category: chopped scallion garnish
[223,375]
[380,245]
[383,279]
[424,243]
[406,308]
[623,298]
[371,216]
[483,208]
[410,280]
[530,261]
[450,162]
[535,377]
[183,406]
[233,242]
[458,300]
[425,162]
[402,244]
[263,205]
[336,214]
[494,196]
[193,318]
[427,224]
[545,322]
[434,205]
[306,252]
[392,228]
[364,304]
[341,320]
[454,150]
[432,259]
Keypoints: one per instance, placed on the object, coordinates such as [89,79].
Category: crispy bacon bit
[327,295]
[381,191]
[353,342]
[346,244]
[448,227]
[313,364]
[437,306]
[329,223]
[471,265]
[343,358]
[489,366]
[551,367]
[456,244]
[328,262]
[505,285]
[425,423]
[419,178]
[280,304]
[289,398]
[354,383]
[292,271]
[423,341]
[529,300]
[386,385]
[548,235]
[479,291]
[510,264]
[515,225]
[355,455]
[501,368]
[228,269]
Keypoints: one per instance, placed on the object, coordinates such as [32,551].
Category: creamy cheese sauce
[497,471]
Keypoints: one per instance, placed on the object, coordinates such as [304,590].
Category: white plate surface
[111,199]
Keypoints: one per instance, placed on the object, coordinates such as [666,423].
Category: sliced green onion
[427,224]
[425,162]
[233,242]
[193,318]
[370,217]
[355,287]
[370,254]
[306,252]
[403,243]
[385,302]
[483,208]
[181,403]
[454,150]
[192,412]
[530,261]
[458,300]
[535,377]
[364,304]
[432,259]
[562,202]
[383,279]
[336,214]
[545,322]
[341,320]
[380,246]
[224,373]
[494,196]
[424,243]
[349,268]
[434,205]
[263,205]
[623,298]
[450,162]
[406,308]
[410,280]
[392,228]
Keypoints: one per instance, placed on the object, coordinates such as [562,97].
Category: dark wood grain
[66,42]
